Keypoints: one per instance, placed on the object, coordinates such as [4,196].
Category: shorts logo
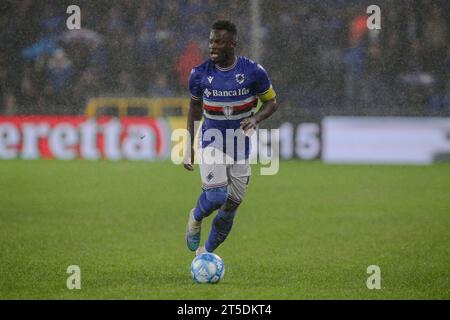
[240,78]
[227,111]
[210,176]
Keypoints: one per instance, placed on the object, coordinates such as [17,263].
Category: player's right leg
[209,201]
[214,184]
[239,175]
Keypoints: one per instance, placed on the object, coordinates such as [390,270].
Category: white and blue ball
[207,268]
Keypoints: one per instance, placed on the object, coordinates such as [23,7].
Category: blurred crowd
[321,56]
[342,67]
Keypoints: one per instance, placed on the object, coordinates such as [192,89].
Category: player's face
[221,46]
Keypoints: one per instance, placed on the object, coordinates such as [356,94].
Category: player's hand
[188,165]
[248,124]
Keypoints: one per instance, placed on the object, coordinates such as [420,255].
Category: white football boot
[193,229]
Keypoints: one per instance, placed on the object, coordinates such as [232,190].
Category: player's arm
[268,107]
[266,95]
[194,114]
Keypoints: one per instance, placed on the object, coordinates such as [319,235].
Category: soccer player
[224,90]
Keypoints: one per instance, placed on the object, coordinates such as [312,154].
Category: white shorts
[235,176]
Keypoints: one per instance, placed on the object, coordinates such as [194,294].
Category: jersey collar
[230,67]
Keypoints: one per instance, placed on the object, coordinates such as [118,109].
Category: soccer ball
[207,268]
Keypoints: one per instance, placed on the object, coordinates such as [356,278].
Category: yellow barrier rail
[155,107]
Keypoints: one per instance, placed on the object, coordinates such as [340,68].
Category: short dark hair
[225,25]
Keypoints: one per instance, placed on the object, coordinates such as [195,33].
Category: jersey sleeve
[195,84]
[264,88]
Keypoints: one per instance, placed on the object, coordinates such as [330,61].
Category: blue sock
[209,201]
[220,228]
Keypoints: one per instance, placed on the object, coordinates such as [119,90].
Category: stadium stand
[147,48]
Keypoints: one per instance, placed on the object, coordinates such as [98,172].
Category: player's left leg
[239,175]
[214,184]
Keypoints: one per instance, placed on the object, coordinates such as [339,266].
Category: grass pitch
[309,232]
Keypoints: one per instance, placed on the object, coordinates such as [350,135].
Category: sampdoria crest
[227,111]
[240,78]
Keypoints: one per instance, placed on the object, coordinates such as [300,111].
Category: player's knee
[230,205]
[217,196]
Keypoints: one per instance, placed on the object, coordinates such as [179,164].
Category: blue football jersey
[229,95]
